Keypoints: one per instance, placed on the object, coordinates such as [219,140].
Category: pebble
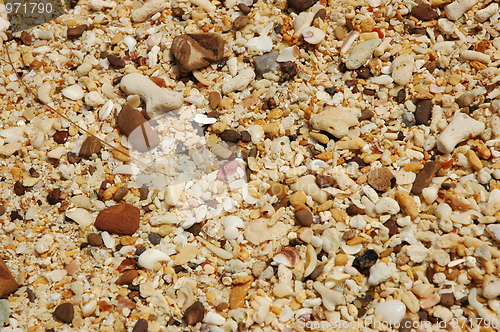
[406,325]
[8,284]
[81,216]
[308,185]
[300,5]
[94,99]
[154,238]
[230,135]
[95,239]
[116,61]
[364,262]
[313,35]
[239,82]
[147,10]
[408,119]
[266,63]
[424,12]
[120,193]
[91,145]
[4,312]
[380,178]
[492,290]
[423,111]
[127,277]
[402,69]
[425,176]
[121,219]
[304,217]
[447,300]
[196,51]
[334,120]
[465,99]
[240,22]
[76,32]
[238,295]
[483,14]
[214,99]
[140,326]
[9,149]
[138,130]
[392,311]
[149,257]
[2,210]
[387,205]
[325,181]
[457,8]
[244,8]
[461,128]
[73,92]
[194,314]
[158,100]
[361,53]
[64,312]
[407,203]
[27,39]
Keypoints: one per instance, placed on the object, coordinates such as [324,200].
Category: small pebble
[266,63]
[4,312]
[195,229]
[154,238]
[8,284]
[324,181]
[408,119]
[2,210]
[465,100]
[214,99]
[364,262]
[19,189]
[380,178]
[60,137]
[363,72]
[240,22]
[425,176]
[122,219]
[406,325]
[423,112]
[127,277]
[91,145]
[230,135]
[361,53]
[194,314]
[73,92]
[116,61]
[300,5]
[54,196]
[401,96]
[461,128]
[304,217]
[27,39]
[140,326]
[245,9]
[95,239]
[64,312]
[120,193]
[366,115]
[402,69]
[196,51]
[392,311]
[447,300]
[76,32]
[288,70]
[128,120]
[424,12]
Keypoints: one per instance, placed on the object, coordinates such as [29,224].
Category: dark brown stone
[76,32]
[54,196]
[122,219]
[8,284]
[366,115]
[196,51]
[19,189]
[2,210]
[91,145]
[300,5]
[245,9]
[138,130]
[401,96]
[194,314]
[324,181]
[26,38]
[95,239]
[214,99]
[240,22]
[116,61]
[406,325]
[120,193]
[73,158]
[230,135]
[425,176]
[127,277]
[304,217]
[140,326]
[424,12]
[65,312]
[195,229]
[447,300]
[60,137]
[423,111]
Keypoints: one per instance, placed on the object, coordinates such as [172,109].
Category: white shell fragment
[457,8]
[147,10]
[288,54]
[361,53]
[73,92]
[203,119]
[313,35]
[462,127]
[149,257]
[239,82]
[261,43]
[392,311]
[81,216]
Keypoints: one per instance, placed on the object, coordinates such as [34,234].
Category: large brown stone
[134,125]
[195,51]
[8,284]
[122,219]
[425,176]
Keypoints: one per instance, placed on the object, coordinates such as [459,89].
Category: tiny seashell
[233,221]
[311,260]
[105,110]
[351,250]
[288,54]
[348,41]
[130,42]
[73,92]
[316,164]
[289,257]
[313,35]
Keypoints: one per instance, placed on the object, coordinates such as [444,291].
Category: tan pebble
[238,295]
[323,139]
[108,193]
[271,128]
[407,203]
[294,305]
[298,198]
[243,279]
[301,296]
[380,178]
[325,206]
[278,189]
[282,290]
[326,155]
[371,157]
[482,150]
[117,38]
[121,154]
[489,267]
[214,99]
[341,259]
[127,240]
[339,215]
[423,290]
[357,240]
[367,25]
[475,274]
[165,230]
[411,167]
[351,143]
[474,160]
[275,310]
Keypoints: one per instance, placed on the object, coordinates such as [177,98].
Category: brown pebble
[116,61]
[26,38]
[238,295]
[120,193]
[19,189]
[95,239]
[140,326]
[406,325]
[423,111]
[304,217]
[424,12]
[134,125]
[76,32]
[300,5]
[178,12]
[316,272]
[122,219]
[214,99]
[194,314]
[222,306]
[8,284]
[90,146]
[2,210]
[54,196]
[288,70]
[401,96]
[447,300]
[465,100]
[195,229]
[230,135]
[278,189]
[366,115]
[425,176]
[392,226]
[324,181]
[196,51]
[245,9]
[380,178]
[60,137]
[73,158]
[245,136]
[143,192]
[320,14]
[65,312]
[240,22]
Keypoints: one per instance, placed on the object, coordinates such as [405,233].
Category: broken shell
[105,110]
[313,35]
[288,54]
[351,250]
[348,41]
[288,256]
[73,92]
[311,260]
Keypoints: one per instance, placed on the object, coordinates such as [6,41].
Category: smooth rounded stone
[240,22]
[194,314]
[457,8]
[325,181]
[230,135]
[233,221]
[196,51]
[465,99]
[127,277]
[121,219]
[2,210]
[402,69]
[424,12]
[361,53]
[64,312]
[154,238]
[81,216]
[116,61]
[73,92]
[231,233]
[266,63]
[380,178]
[158,100]
[423,111]
[392,311]
[89,308]
[335,120]
[244,8]
[213,318]
[60,137]
[149,257]
[425,176]
[304,217]
[408,119]
[447,300]
[76,32]
[406,325]
[461,128]
[300,5]
[214,99]
[140,326]
[282,290]
[95,240]
[239,82]
[4,312]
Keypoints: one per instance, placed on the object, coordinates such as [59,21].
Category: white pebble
[231,233]
[308,185]
[492,290]
[392,311]
[89,308]
[147,10]
[149,257]
[73,92]
[494,231]
[357,222]
[430,194]
[256,133]
[461,128]
[402,69]
[233,221]
[93,99]
[387,205]
[44,243]
[361,53]
[81,216]
[100,4]
[43,93]
[261,43]
[485,13]
[204,119]
[239,82]
[109,241]
[457,8]
[213,318]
